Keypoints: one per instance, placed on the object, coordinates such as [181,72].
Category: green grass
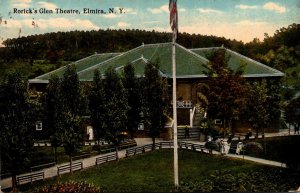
[153,172]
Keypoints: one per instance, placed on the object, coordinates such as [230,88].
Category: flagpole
[174,113]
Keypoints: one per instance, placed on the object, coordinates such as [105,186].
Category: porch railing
[183,104]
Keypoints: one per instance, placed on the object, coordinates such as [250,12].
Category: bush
[253,147]
[70,187]
[262,180]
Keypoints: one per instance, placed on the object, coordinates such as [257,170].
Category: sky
[242,20]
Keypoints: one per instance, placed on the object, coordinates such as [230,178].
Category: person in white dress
[239,148]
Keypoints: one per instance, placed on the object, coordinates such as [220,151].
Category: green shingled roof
[189,63]
[80,64]
[252,67]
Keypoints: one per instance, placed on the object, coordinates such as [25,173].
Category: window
[39,125]
[218,121]
[141,126]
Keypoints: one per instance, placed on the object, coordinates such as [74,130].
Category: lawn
[153,172]
[281,149]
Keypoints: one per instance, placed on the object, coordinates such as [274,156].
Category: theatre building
[190,67]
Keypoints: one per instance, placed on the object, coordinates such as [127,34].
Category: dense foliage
[133,85]
[115,116]
[97,106]
[75,45]
[52,104]
[16,136]
[262,180]
[70,187]
[155,103]
[227,90]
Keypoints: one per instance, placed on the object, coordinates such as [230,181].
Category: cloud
[20,3]
[274,7]
[130,11]
[110,16]
[46,5]
[241,6]
[13,24]
[245,31]
[161,9]
[181,10]
[250,23]
[63,24]
[150,22]
[209,10]
[123,24]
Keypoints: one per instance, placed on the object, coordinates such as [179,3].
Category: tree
[292,112]
[274,99]
[53,109]
[72,112]
[227,96]
[16,137]
[97,106]
[258,115]
[156,100]
[131,85]
[116,107]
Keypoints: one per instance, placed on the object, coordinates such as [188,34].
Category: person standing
[187,132]
[239,148]
[222,146]
[296,128]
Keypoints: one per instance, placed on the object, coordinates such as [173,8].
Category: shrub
[253,147]
[70,187]
[197,186]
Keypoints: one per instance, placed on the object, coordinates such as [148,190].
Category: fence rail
[169,144]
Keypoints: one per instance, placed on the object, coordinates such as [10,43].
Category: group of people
[225,146]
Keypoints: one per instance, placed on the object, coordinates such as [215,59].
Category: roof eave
[38,81]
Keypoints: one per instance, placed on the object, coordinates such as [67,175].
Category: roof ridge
[108,60]
[206,48]
[193,53]
[157,44]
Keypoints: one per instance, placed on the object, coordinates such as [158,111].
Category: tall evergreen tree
[131,85]
[116,107]
[72,106]
[16,138]
[258,114]
[156,100]
[53,109]
[97,106]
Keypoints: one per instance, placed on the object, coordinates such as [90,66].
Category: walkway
[89,162]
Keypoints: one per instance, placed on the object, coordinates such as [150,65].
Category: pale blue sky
[234,19]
